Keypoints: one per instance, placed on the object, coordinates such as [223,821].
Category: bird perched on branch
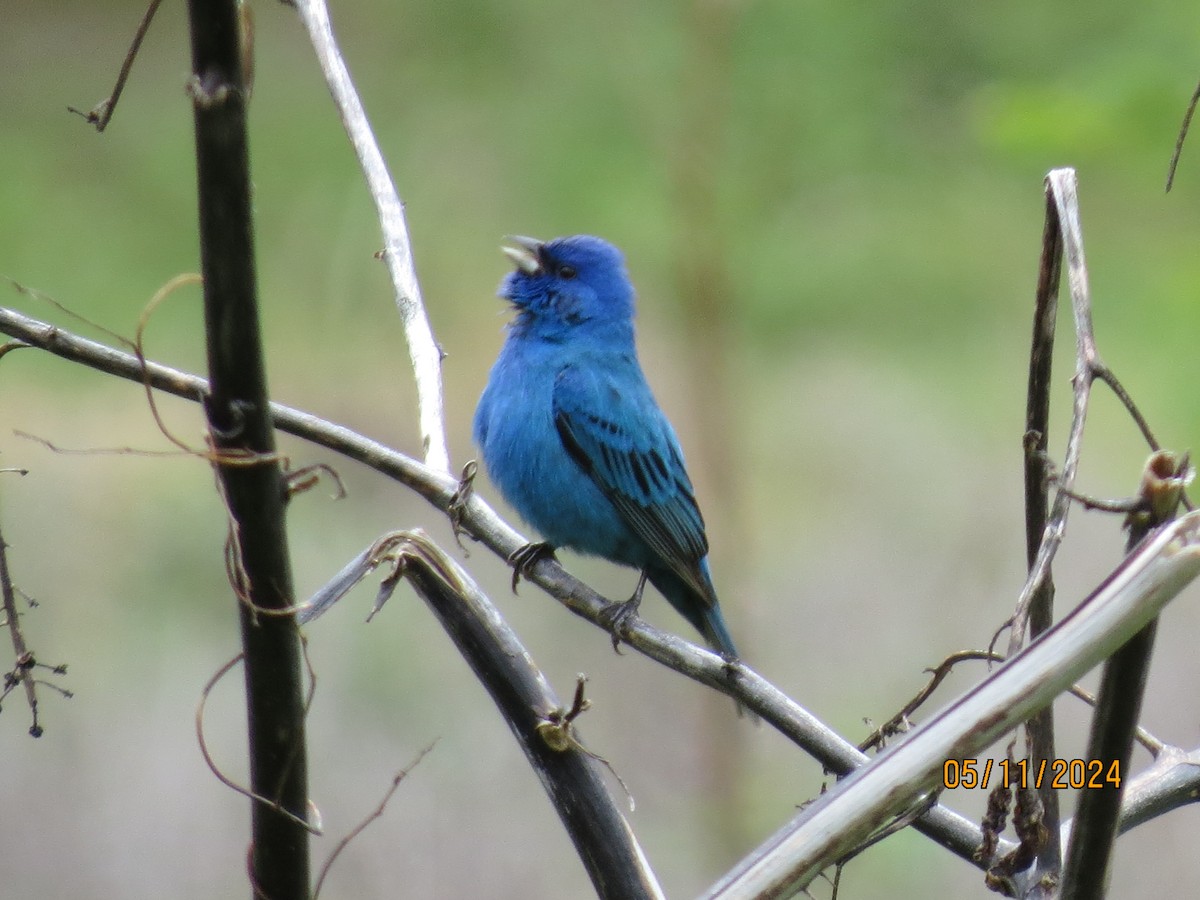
[574,440]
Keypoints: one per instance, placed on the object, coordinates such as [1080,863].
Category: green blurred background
[833,213]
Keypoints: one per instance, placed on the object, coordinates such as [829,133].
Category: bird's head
[567,284]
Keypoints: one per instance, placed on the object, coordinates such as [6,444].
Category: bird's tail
[703,612]
[716,632]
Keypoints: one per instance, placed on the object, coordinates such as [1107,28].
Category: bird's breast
[526,460]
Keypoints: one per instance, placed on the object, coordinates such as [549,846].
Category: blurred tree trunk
[706,295]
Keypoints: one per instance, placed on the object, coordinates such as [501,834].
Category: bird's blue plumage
[571,433]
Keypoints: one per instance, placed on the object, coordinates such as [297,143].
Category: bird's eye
[567,272]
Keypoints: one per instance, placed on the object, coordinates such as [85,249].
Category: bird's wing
[611,426]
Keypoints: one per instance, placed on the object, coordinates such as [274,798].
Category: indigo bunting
[574,440]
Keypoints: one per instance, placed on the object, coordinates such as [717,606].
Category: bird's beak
[525,254]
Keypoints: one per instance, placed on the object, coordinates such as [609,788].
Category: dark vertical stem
[1118,706]
[1037,406]
[240,423]
[1037,503]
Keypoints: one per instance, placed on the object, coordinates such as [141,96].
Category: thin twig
[375,814]
[100,114]
[902,719]
[424,352]
[1063,230]
[1183,130]
[24,658]
[232,456]
[1044,527]
[937,675]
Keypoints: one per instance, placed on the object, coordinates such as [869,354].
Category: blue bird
[573,438]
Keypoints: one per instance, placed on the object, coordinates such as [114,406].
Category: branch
[1063,234]
[423,350]
[241,431]
[573,777]
[1119,702]
[1171,781]
[25,662]
[1045,529]
[1183,130]
[834,825]
[481,521]
[1041,540]
[477,518]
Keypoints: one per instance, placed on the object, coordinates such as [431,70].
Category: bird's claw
[457,507]
[617,617]
[523,559]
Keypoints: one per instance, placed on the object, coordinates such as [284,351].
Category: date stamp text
[1058,774]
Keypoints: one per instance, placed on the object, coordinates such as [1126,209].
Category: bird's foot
[617,617]
[523,559]
[457,507]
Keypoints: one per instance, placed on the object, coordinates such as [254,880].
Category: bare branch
[25,662]
[573,777]
[1119,701]
[479,520]
[840,820]
[423,350]
[1045,528]
[1171,781]
[1063,235]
